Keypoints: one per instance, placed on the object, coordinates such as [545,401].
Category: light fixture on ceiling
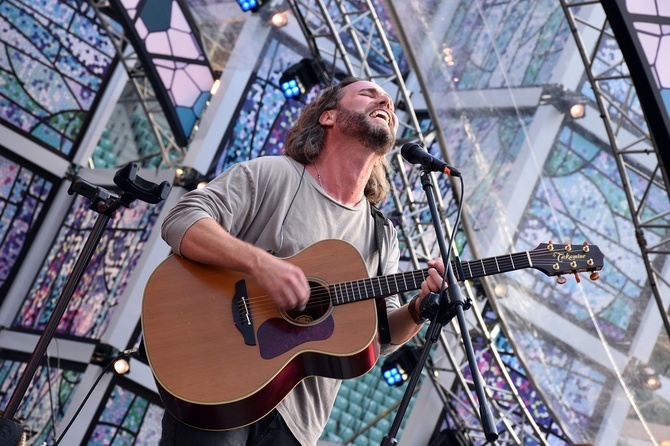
[105,355]
[571,103]
[299,78]
[279,19]
[250,5]
[399,365]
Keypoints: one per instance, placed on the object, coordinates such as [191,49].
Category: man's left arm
[404,322]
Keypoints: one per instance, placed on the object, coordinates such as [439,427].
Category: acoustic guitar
[223,355]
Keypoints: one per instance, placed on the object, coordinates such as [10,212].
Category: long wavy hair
[304,141]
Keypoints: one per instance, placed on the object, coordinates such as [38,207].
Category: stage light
[650,378]
[571,103]
[105,355]
[122,366]
[577,110]
[299,78]
[279,19]
[399,365]
[250,5]
[215,87]
[189,178]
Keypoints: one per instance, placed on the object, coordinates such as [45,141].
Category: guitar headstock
[557,259]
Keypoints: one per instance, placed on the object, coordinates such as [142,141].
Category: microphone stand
[106,204]
[442,308]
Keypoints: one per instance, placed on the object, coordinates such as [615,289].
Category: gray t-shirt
[273,203]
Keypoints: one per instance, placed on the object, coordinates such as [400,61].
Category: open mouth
[381,114]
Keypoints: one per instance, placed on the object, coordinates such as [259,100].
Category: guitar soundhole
[318,307]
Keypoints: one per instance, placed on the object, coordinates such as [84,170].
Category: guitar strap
[382,318]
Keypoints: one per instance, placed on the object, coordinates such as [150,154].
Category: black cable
[126,353]
[49,393]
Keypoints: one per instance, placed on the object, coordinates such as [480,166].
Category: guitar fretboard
[382,286]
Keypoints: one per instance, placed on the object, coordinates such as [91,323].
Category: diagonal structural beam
[169,151]
[638,157]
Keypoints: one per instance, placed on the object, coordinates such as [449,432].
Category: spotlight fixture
[299,78]
[650,378]
[189,178]
[122,366]
[571,103]
[105,355]
[250,5]
[279,19]
[399,365]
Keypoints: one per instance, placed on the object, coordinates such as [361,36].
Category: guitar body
[209,378]
[223,355]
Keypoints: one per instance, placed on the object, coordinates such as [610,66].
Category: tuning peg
[550,246]
[561,280]
[585,247]
[577,278]
[594,275]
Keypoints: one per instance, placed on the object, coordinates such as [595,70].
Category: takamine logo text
[567,257]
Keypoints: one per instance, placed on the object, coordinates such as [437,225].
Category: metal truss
[348,37]
[170,152]
[631,142]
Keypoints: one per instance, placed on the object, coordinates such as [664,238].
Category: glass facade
[578,354]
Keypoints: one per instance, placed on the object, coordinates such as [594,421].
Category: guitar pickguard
[276,336]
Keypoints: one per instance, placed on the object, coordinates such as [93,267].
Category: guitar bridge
[242,313]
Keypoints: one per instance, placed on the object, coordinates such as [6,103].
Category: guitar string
[321,294]
[355,285]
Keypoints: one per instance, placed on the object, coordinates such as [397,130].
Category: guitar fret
[386,285]
[375,279]
[415,284]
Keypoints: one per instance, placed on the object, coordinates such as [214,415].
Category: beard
[376,137]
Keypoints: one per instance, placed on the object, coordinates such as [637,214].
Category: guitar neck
[383,286]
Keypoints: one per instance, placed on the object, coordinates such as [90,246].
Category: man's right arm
[207,242]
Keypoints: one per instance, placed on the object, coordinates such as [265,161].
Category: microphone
[415,154]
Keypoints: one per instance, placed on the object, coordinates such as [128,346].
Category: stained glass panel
[54,60]
[25,192]
[165,38]
[582,194]
[507,44]
[106,276]
[46,399]
[130,415]
[265,115]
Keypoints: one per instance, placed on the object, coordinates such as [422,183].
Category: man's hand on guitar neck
[434,280]
[401,321]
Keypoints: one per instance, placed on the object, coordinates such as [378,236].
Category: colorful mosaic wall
[130,416]
[106,275]
[46,400]
[54,60]
[25,192]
